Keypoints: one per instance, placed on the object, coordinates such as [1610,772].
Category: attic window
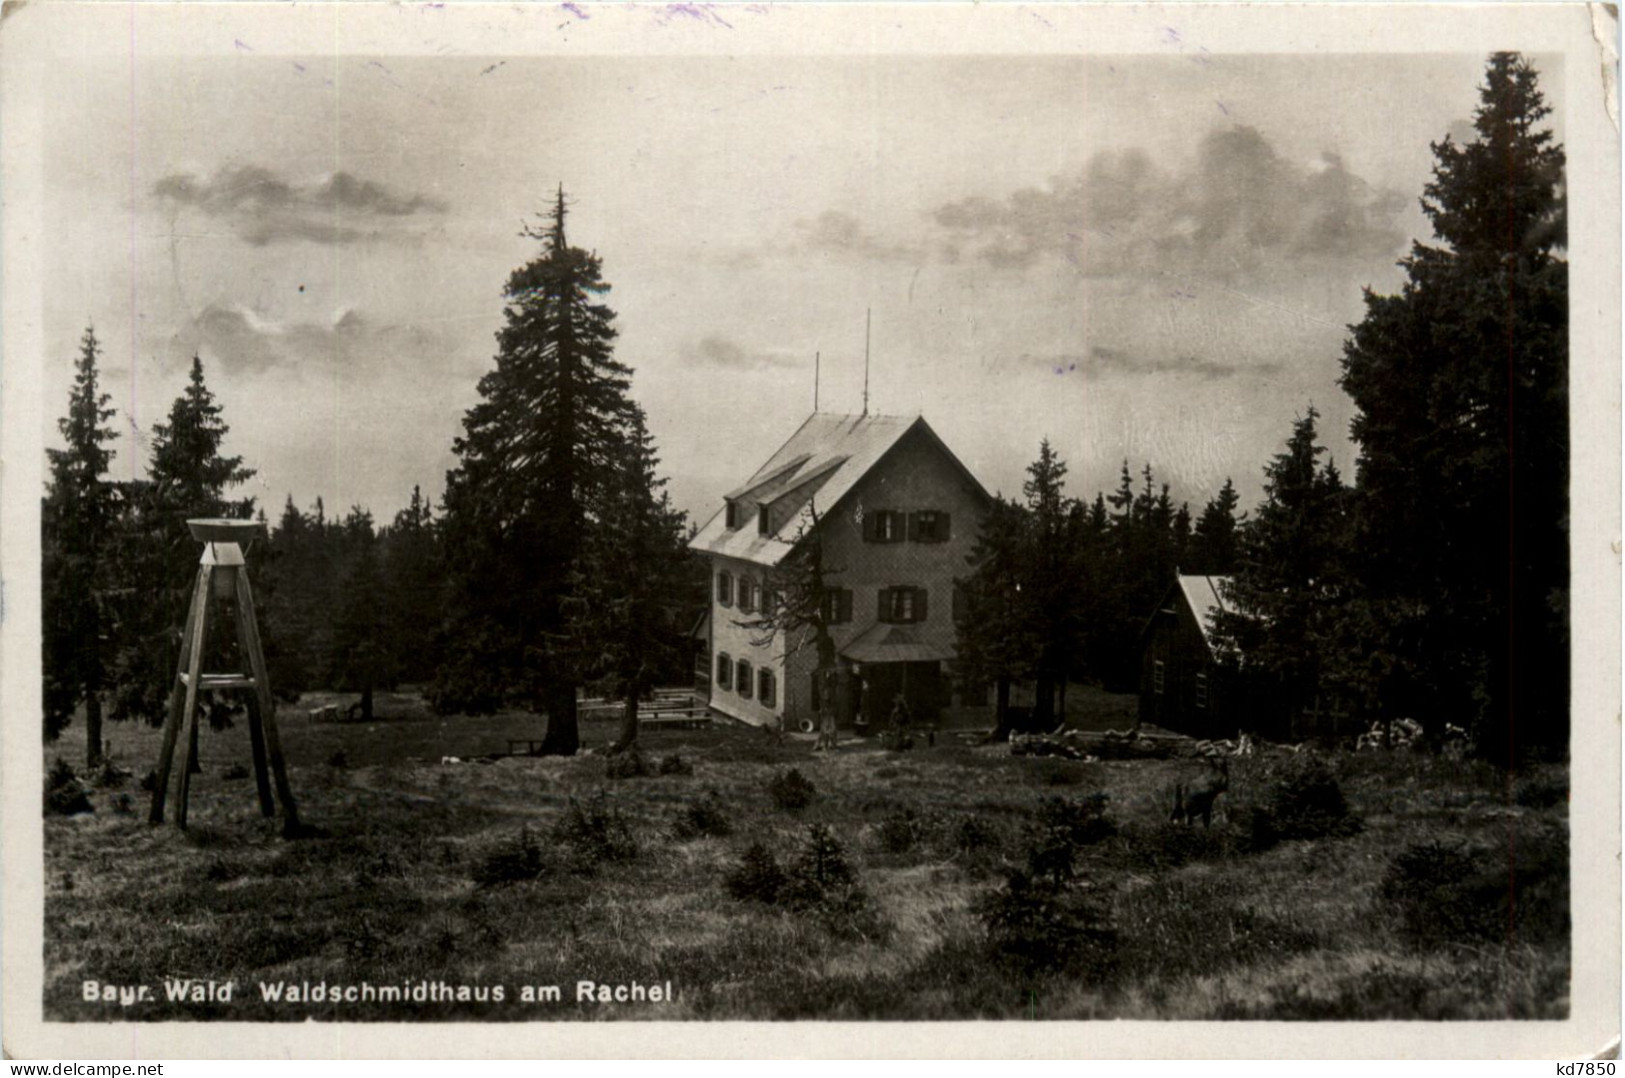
[732,519]
[884,526]
[762,516]
[928,526]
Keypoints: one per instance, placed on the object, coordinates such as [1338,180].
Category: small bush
[628,764]
[593,834]
[513,861]
[64,794]
[901,831]
[791,790]
[822,882]
[235,772]
[757,878]
[706,816]
[1306,802]
[974,834]
[1037,927]
[1452,894]
[675,765]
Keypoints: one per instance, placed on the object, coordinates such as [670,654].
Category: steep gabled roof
[1204,596]
[838,449]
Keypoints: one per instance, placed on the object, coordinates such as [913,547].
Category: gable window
[725,589]
[1201,690]
[902,605]
[1157,676]
[732,517]
[743,680]
[928,526]
[884,526]
[725,671]
[762,519]
[837,606]
[766,691]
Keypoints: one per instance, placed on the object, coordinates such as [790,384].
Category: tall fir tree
[1460,383]
[78,517]
[541,446]
[1212,548]
[1286,599]
[997,641]
[362,653]
[188,477]
[626,612]
[414,589]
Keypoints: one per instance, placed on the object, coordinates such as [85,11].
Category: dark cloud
[725,354]
[1106,362]
[838,232]
[1238,206]
[263,207]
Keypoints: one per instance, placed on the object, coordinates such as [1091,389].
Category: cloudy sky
[1149,256]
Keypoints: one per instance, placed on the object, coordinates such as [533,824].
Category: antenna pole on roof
[815,382]
[867,314]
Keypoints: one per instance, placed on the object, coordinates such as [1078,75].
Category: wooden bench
[533,745]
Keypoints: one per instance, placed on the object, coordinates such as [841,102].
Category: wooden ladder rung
[219,681]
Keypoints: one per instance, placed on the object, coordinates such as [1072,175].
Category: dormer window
[762,518]
[732,516]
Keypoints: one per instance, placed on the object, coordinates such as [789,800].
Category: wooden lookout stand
[222,575]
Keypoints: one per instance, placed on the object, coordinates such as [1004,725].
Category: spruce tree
[1212,549]
[996,638]
[1285,601]
[542,445]
[1460,383]
[626,612]
[78,518]
[414,592]
[188,477]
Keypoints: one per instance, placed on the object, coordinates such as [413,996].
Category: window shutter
[914,527]
[885,605]
[919,604]
[944,532]
[843,605]
[871,526]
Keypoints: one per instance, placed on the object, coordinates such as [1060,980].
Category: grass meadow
[947,882]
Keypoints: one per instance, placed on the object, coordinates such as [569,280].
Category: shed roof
[885,643]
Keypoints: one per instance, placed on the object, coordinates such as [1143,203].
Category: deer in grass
[1196,798]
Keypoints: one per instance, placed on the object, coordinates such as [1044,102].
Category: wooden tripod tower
[222,575]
